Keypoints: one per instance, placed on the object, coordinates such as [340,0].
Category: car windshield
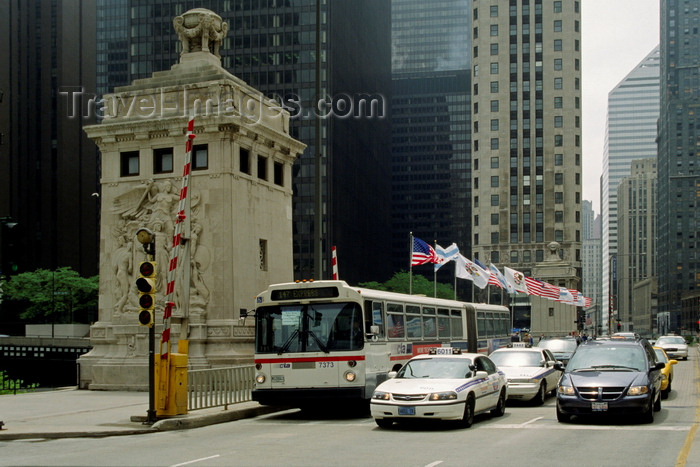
[607,357]
[436,368]
[661,355]
[670,340]
[558,345]
[509,358]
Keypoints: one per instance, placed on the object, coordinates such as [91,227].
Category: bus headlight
[443,396]
[260,378]
[350,376]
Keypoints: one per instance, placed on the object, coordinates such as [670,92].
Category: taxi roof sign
[444,351]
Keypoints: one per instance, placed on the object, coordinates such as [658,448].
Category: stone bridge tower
[240,223]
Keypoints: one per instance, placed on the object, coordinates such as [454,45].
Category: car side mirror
[559,366]
[673,362]
[551,363]
[481,374]
[392,374]
[659,366]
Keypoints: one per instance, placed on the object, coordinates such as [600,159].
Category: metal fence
[216,387]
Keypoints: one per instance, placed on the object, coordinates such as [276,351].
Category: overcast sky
[616,36]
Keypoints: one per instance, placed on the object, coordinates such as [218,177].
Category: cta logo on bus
[285,365]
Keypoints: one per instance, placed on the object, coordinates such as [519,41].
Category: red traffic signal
[146,318]
[146,285]
[147,268]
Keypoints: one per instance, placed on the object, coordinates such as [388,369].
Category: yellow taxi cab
[666,373]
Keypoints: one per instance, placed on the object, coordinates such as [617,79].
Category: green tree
[60,296]
[400,283]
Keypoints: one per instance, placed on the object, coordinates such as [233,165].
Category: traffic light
[619,326]
[146,285]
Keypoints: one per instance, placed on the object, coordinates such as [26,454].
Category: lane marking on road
[520,426]
[433,464]
[532,421]
[688,444]
[196,460]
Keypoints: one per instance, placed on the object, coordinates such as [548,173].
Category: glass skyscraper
[633,111]
[431,127]
[49,180]
[679,161]
[271,45]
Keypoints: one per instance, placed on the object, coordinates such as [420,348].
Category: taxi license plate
[599,406]
[407,410]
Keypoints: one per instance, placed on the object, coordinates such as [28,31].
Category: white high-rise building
[633,110]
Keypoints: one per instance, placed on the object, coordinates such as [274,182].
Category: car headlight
[638,390]
[382,396]
[443,396]
[566,390]
[349,376]
[259,378]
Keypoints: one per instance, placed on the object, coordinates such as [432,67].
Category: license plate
[407,410]
[599,406]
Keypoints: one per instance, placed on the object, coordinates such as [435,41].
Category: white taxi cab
[530,371]
[444,384]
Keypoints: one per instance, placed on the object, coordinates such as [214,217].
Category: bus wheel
[384,422]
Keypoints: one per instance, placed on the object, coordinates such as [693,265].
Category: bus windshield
[324,327]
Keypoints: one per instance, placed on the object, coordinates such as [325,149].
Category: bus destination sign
[304,294]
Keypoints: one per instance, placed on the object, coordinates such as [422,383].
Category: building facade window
[200,157]
[129,163]
[278,173]
[263,254]
[262,168]
[162,160]
[244,160]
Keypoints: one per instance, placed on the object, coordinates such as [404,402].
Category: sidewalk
[73,413]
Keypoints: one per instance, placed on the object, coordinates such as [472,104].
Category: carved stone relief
[154,206]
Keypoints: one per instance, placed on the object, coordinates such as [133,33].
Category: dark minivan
[611,377]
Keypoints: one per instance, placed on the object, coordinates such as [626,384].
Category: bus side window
[374,316]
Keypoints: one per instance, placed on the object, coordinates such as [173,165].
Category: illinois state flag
[515,279]
[466,269]
[422,253]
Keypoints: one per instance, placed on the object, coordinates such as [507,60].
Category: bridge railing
[215,387]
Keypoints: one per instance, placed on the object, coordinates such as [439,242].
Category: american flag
[534,286]
[422,253]
[550,291]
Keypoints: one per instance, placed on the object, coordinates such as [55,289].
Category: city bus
[325,341]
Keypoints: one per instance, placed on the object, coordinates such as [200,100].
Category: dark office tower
[48,168]
[526,134]
[678,241]
[430,126]
[271,44]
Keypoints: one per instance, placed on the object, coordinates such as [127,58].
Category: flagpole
[435,275]
[454,273]
[410,263]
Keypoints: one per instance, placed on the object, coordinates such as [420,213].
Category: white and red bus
[321,341]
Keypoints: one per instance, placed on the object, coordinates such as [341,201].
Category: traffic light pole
[148,239]
[151,413]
